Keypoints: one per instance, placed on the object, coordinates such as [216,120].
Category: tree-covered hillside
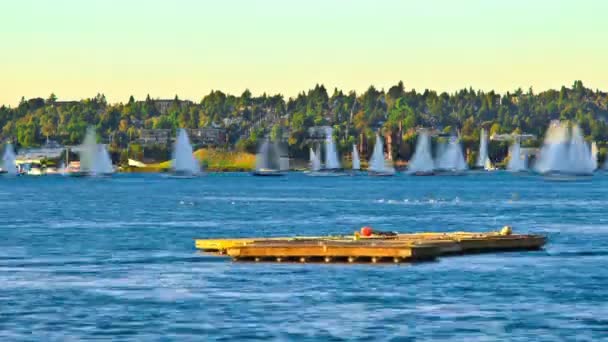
[356,118]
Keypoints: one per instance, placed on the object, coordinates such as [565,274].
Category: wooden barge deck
[374,248]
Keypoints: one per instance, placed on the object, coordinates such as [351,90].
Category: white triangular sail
[271,158]
[422,160]
[183,158]
[318,154]
[88,151]
[483,149]
[331,155]
[261,157]
[103,162]
[517,163]
[284,162]
[315,161]
[377,162]
[356,160]
[450,156]
[8,160]
[565,151]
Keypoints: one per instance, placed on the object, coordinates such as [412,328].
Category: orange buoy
[366,231]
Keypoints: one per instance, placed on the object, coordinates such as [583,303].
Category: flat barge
[369,246]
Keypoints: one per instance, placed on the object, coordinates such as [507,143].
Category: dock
[373,248]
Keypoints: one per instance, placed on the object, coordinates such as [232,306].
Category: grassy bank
[218,160]
[212,160]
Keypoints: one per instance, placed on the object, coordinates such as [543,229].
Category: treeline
[355,118]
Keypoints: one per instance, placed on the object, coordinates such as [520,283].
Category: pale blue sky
[78,48]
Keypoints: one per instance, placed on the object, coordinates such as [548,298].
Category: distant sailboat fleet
[564,153]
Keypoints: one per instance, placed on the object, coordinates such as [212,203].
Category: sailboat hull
[76,174]
[422,173]
[557,176]
[450,173]
[325,174]
[184,174]
[267,173]
[380,173]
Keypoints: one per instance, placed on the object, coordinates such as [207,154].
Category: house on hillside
[163,105]
[209,136]
[154,136]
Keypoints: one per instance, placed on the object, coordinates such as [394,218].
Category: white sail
[311,159]
[377,163]
[318,155]
[565,151]
[88,151]
[516,162]
[331,155]
[103,162]
[8,160]
[284,163]
[422,160]
[271,158]
[450,156]
[261,157]
[315,161]
[594,153]
[356,160]
[183,158]
[580,153]
[483,149]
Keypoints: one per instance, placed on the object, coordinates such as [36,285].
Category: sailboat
[268,160]
[378,166]
[315,162]
[516,163]
[103,162]
[183,163]
[314,166]
[422,163]
[482,158]
[94,158]
[450,160]
[8,161]
[331,155]
[356,159]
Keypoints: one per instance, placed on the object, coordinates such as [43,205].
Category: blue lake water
[114,259]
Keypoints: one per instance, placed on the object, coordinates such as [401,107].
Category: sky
[77,48]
